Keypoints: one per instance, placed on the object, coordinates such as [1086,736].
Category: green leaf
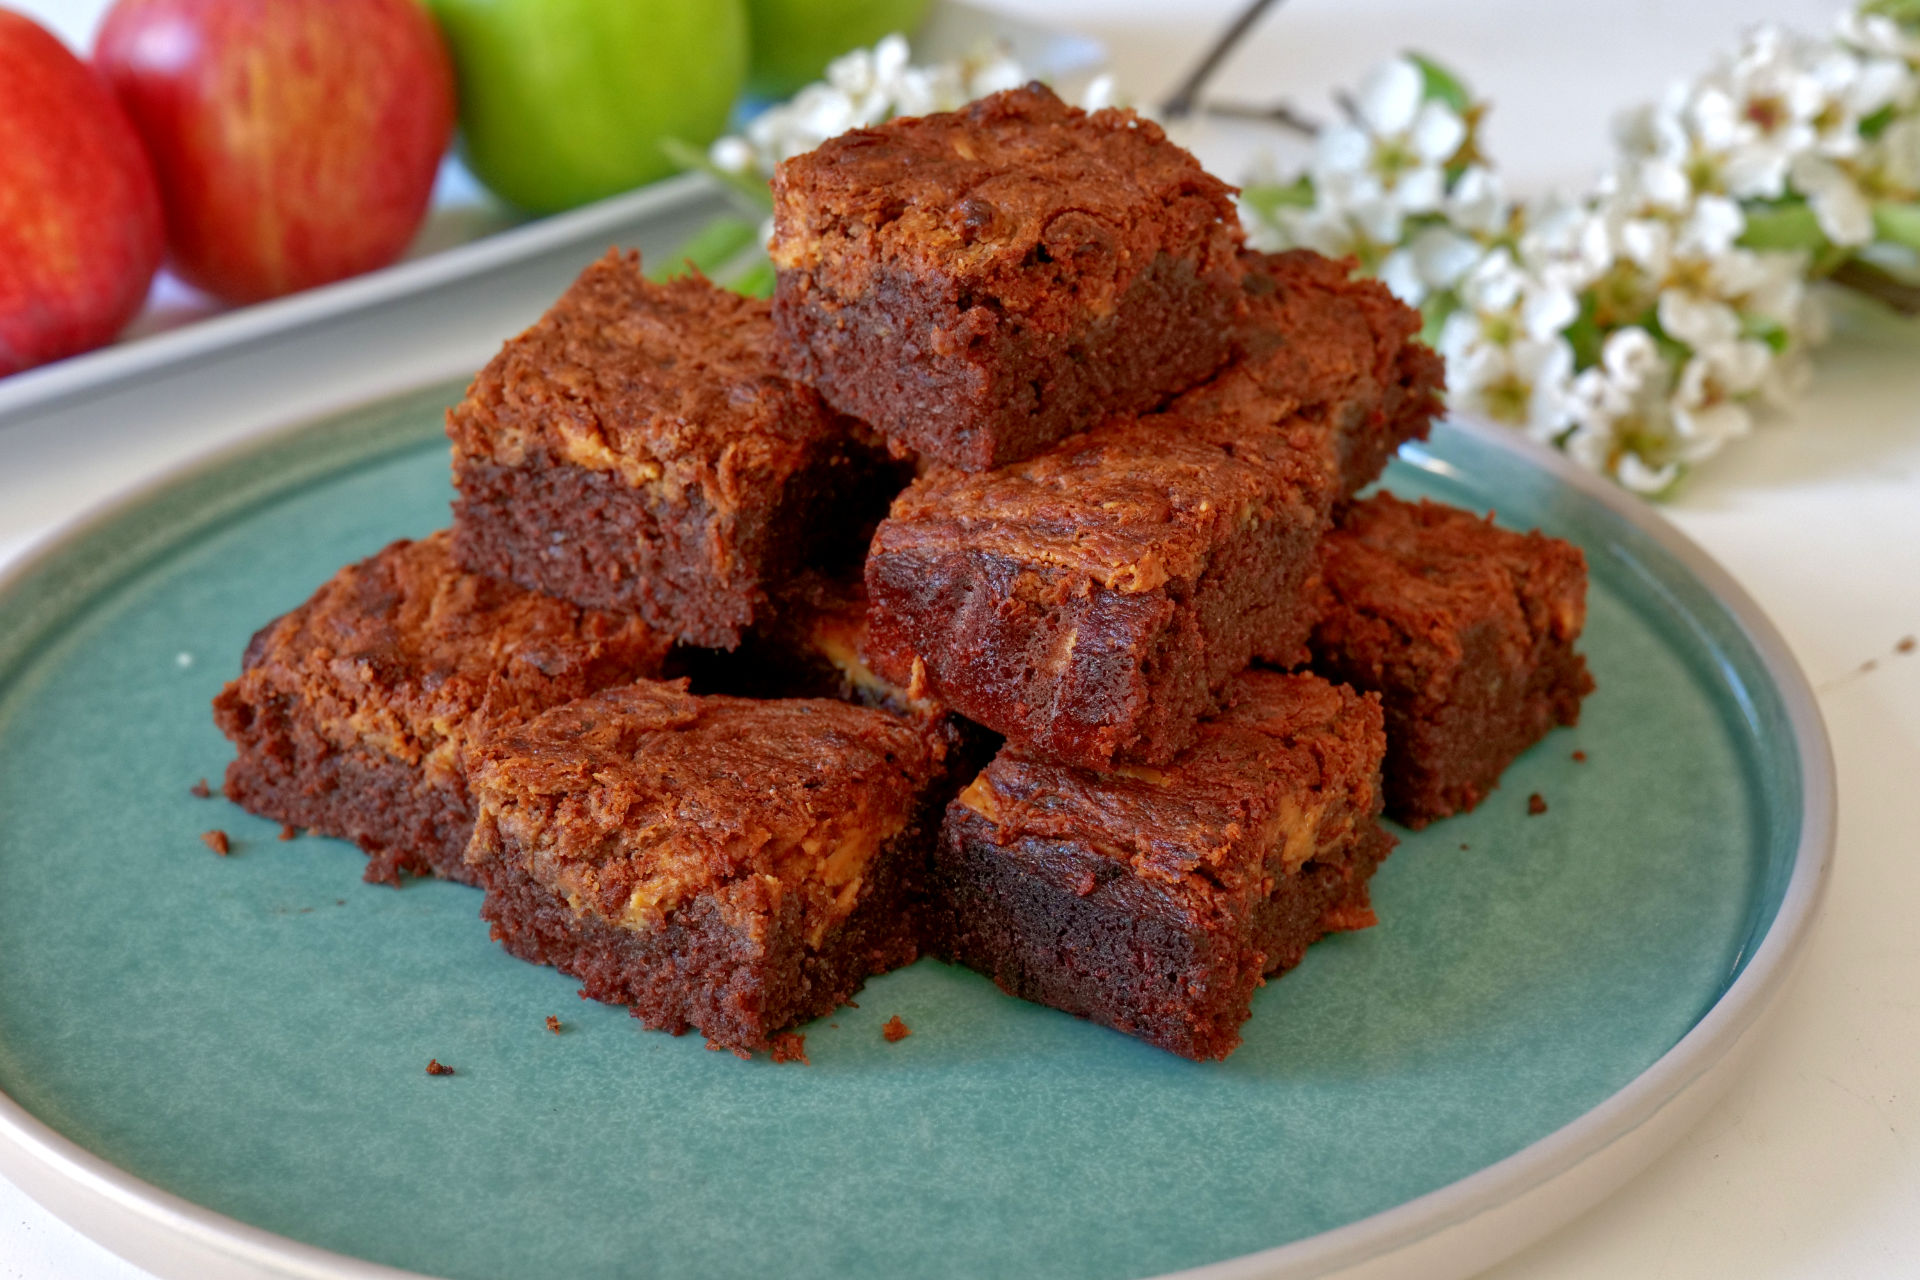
[1771,332]
[1266,199]
[1904,12]
[1899,223]
[1783,225]
[1442,85]
[1584,336]
[1876,124]
[755,282]
[711,248]
[753,190]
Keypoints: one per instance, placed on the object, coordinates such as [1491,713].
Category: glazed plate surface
[239,1044]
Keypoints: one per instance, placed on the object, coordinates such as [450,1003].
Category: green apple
[794,40]
[565,101]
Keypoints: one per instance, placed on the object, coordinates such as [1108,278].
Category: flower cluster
[1641,326]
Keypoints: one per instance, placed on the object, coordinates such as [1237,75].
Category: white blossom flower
[1622,417]
[1879,35]
[1567,243]
[867,87]
[1393,154]
[1844,212]
[1502,303]
[1638,328]
[1523,383]
[1707,408]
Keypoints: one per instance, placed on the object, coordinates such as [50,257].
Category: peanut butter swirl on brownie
[718,862]
[352,712]
[638,449]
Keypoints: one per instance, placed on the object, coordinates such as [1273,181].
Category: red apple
[296,140]
[80,227]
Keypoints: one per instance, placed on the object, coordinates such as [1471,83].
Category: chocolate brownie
[1317,340]
[979,283]
[638,450]
[1465,630]
[1090,603]
[723,863]
[1152,900]
[351,712]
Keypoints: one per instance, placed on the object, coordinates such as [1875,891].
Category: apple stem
[1180,102]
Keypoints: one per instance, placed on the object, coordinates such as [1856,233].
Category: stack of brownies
[1000,592]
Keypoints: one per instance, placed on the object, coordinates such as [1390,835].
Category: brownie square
[638,450]
[1091,602]
[353,711]
[1154,901]
[1465,630]
[723,863]
[1318,341]
[980,283]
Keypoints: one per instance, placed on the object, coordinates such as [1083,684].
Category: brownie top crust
[668,385]
[402,650]
[637,799]
[1406,577]
[1291,767]
[1317,339]
[1050,210]
[1315,329]
[1133,504]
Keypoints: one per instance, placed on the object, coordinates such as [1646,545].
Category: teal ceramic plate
[216,1065]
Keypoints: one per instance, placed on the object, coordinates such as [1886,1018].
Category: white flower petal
[1630,356]
[1698,322]
[1437,132]
[1342,148]
[1420,190]
[1400,272]
[1443,256]
[1390,96]
[1547,310]
[1712,228]
[1637,475]
[1098,95]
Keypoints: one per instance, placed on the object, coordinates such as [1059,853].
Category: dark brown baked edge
[734,966]
[1446,756]
[1171,979]
[288,773]
[955,379]
[589,537]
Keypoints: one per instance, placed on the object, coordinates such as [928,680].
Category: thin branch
[1281,114]
[1883,286]
[1180,103]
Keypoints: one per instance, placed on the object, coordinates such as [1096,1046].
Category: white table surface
[1811,1165]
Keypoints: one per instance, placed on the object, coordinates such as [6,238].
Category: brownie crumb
[1087,884]
[287,831]
[1348,917]
[435,1067]
[1579,757]
[553,1024]
[217,841]
[895,1030]
[1907,645]
[1536,804]
[714,1046]
[200,790]
[852,1005]
[1464,848]
[790,1046]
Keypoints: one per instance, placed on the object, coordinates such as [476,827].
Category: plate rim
[148,1218]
